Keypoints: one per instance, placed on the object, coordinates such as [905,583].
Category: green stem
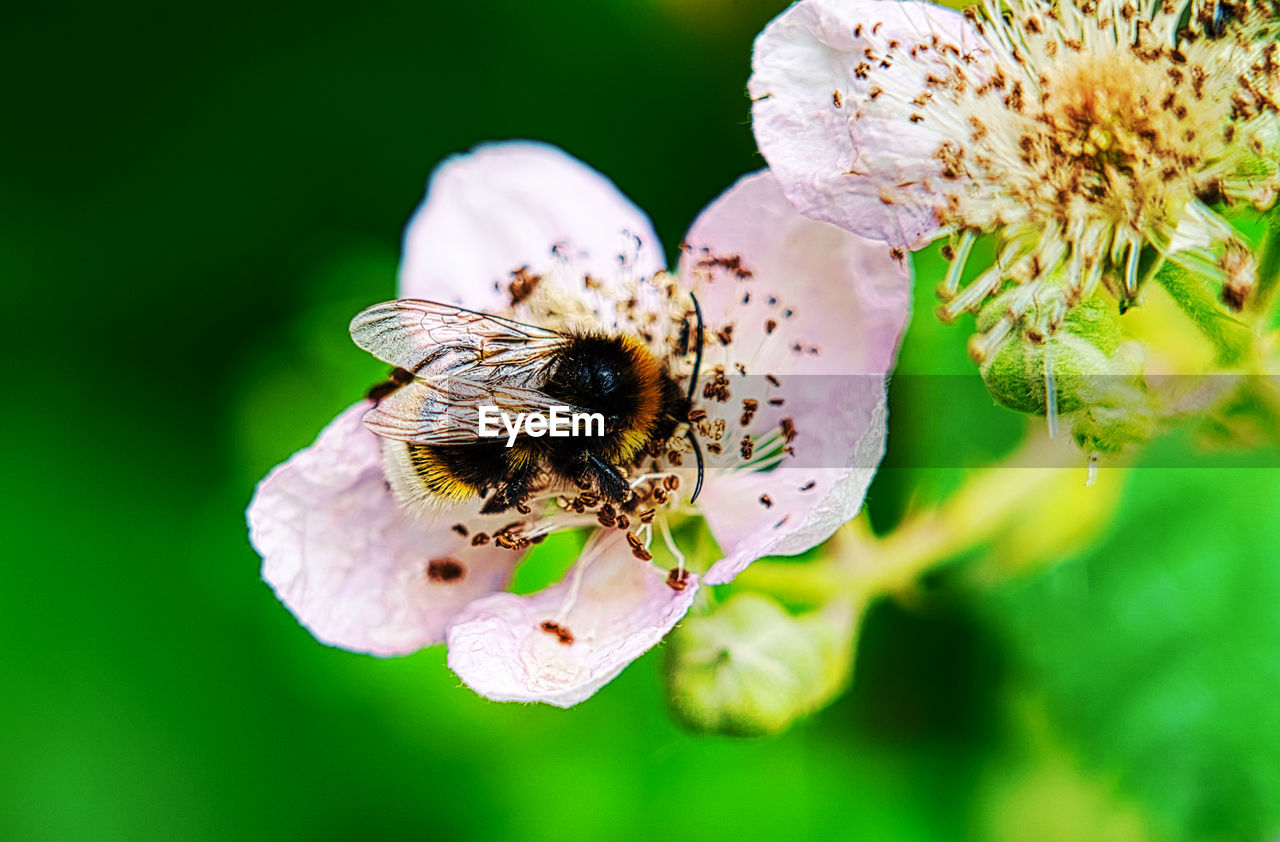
[861,566]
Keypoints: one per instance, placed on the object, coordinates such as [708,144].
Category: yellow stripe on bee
[648,401]
[436,477]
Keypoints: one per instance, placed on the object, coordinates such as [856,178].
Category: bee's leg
[397,378]
[608,481]
[588,469]
[511,493]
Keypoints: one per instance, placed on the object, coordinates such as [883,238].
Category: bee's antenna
[693,385]
[697,453]
[697,359]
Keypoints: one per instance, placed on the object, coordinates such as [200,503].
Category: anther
[561,633]
[678,578]
[638,549]
[445,570]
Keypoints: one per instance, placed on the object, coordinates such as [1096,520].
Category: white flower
[522,230]
[1092,136]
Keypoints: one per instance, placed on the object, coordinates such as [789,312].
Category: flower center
[741,422]
[1118,133]
[1094,131]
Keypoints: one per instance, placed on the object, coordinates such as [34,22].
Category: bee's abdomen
[425,477]
[457,472]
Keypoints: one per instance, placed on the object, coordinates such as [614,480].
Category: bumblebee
[451,363]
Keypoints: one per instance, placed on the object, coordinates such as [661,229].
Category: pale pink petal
[838,458]
[506,205]
[843,152]
[350,565]
[821,311]
[499,647]
[843,294]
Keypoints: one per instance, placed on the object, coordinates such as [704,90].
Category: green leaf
[1269,259]
[1159,651]
[1196,298]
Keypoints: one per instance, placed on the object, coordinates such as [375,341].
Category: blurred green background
[203,195]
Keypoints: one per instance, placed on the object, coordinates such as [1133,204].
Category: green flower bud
[1080,359]
[749,668]
[1111,429]
[1096,321]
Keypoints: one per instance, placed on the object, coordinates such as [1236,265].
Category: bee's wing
[446,410]
[461,361]
[429,339]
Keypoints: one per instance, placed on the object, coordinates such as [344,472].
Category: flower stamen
[669,540]
[591,551]
[1080,132]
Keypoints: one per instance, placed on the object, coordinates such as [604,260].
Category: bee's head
[615,375]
